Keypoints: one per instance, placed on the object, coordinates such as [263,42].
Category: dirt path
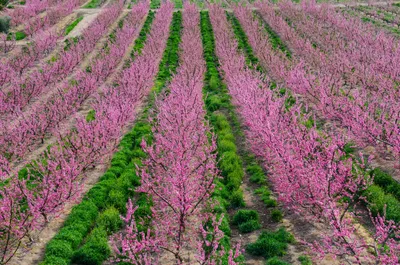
[83,24]
[383,160]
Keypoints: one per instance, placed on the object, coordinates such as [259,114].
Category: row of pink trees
[379,49]
[341,92]
[52,16]
[43,41]
[57,176]
[23,88]
[368,61]
[16,64]
[179,172]
[308,168]
[6,45]
[378,15]
[273,61]
[32,8]
[45,115]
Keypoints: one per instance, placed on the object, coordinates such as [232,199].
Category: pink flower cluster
[32,8]
[15,65]
[52,16]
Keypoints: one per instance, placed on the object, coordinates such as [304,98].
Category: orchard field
[194,132]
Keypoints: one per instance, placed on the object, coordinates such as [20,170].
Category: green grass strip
[271,245]
[19,35]
[243,43]
[386,182]
[377,22]
[154,4]
[253,168]
[95,250]
[220,113]
[141,40]
[71,26]
[273,37]
[380,202]
[218,107]
[223,117]
[93,4]
[178,3]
